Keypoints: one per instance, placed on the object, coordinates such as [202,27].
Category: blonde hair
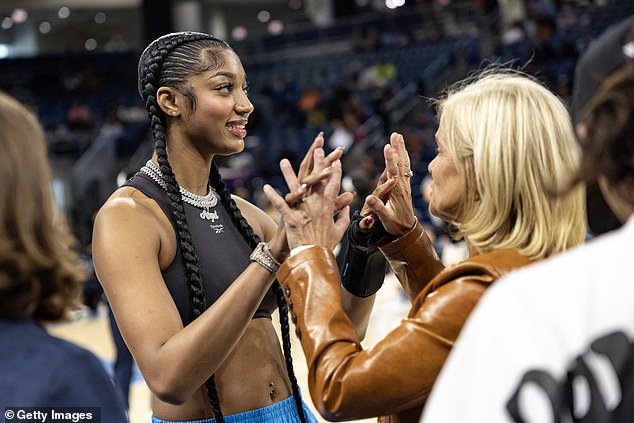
[513,142]
[40,275]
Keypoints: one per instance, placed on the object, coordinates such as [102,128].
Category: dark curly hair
[168,62]
[40,275]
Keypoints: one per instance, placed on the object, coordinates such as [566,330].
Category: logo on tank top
[207,215]
[218,228]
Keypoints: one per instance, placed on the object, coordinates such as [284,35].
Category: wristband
[364,266]
[262,256]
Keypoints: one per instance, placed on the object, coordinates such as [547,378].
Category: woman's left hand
[394,209]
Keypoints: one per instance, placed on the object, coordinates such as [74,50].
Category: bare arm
[130,243]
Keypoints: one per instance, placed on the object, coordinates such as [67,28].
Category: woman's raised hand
[309,220]
[300,183]
[391,200]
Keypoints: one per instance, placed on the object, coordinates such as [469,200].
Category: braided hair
[167,62]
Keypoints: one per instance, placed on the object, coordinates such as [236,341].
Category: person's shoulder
[125,198]
[56,352]
[245,205]
[486,266]
[127,205]
[62,350]
[504,258]
[585,263]
[611,247]
[47,370]
[250,211]
[262,223]
[74,365]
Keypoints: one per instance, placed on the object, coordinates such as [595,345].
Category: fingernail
[368,221]
[303,187]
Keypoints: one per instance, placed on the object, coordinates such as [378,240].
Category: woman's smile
[237,128]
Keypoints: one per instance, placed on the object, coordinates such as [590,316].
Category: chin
[447,217]
[235,146]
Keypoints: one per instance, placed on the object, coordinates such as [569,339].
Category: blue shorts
[284,411]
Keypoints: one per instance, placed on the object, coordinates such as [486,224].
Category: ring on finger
[408,173]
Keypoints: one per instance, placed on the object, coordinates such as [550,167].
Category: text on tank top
[222,252]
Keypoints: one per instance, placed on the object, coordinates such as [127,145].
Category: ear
[169,101]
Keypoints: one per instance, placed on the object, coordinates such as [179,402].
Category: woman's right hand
[278,245]
[391,200]
[310,221]
[299,184]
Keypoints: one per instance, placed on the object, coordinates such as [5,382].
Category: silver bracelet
[262,256]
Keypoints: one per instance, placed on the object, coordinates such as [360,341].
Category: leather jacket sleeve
[347,382]
[413,260]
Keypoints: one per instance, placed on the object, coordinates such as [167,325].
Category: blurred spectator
[40,281]
[603,56]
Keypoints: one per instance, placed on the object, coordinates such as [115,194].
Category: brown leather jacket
[394,377]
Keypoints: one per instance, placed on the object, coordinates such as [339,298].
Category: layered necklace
[204,202]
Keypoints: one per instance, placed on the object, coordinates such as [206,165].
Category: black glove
[363,267]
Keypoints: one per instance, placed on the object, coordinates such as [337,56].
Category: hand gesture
[310,221]
[391,200]
[299,184]
[278,244]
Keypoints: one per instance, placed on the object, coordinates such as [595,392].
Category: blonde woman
[586,318]
[504,142]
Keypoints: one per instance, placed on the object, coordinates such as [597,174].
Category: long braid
[150,85]
[181,53]
[215,180]
[286,344]
[253,239]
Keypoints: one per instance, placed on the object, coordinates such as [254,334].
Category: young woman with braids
[187,268]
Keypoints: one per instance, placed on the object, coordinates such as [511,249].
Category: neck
[192,173]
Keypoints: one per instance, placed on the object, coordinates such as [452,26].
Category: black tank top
[222,251]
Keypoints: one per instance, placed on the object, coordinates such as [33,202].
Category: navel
[272,392]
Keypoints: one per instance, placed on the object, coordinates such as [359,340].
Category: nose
[243,104]
[431,166]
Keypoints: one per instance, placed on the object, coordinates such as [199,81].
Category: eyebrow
[223,73]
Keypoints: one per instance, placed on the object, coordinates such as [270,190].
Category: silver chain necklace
[204,202]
